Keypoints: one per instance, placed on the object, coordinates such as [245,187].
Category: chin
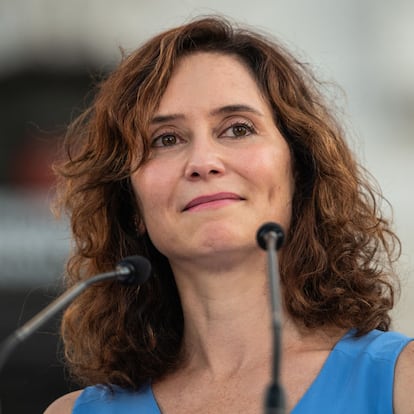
[224,238]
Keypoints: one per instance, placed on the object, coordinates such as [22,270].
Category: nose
[205,159]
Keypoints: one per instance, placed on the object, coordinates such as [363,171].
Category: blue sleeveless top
[357,378]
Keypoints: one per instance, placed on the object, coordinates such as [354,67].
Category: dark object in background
[36,104]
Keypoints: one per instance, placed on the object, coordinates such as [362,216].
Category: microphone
[130,270]
[272,231]
[270,237]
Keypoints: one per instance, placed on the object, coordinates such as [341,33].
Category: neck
[227,316]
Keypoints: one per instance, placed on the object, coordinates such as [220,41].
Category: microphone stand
[44,315]
[22,333]
[133,269]
[270,238]
[130,270]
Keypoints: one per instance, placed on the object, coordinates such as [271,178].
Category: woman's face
[219,168]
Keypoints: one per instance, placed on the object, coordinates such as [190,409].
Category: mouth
[212,201]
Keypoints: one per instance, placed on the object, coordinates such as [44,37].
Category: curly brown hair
[337,263]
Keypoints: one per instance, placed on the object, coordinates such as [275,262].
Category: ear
[140,227]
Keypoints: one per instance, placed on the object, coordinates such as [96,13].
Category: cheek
[142,182]
[271,166]
[274,176]
[153,186]
[147,202]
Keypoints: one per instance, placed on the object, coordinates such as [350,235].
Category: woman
[197,138]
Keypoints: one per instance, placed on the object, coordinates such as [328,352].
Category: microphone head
[134,270]
[267,228]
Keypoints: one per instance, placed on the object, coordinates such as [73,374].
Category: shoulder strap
[357,377]
[105,400]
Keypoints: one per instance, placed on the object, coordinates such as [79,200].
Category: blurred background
[52,52]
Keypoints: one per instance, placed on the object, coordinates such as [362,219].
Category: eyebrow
[228,109]
[159,119]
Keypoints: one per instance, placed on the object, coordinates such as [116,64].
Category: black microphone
[130,270]
[270,237]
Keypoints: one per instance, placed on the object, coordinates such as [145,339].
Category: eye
[166,140]
[239,130]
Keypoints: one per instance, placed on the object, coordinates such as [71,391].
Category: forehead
[210,79]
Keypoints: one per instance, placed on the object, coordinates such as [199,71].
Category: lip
[217,199]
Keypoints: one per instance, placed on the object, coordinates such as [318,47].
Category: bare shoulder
[404,380]
[64,404]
